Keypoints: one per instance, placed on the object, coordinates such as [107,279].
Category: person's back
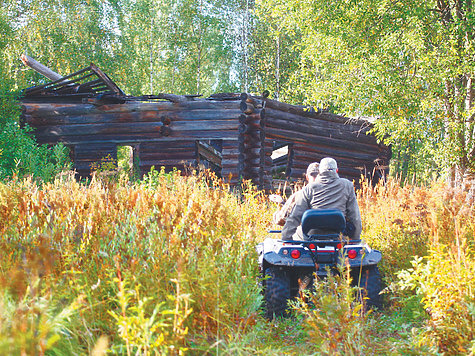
[281,215]
[329,191]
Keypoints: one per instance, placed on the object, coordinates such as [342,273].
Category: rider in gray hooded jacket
[329,191]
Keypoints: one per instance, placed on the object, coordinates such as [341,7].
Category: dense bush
[20,155]
[162,266]
[426,235]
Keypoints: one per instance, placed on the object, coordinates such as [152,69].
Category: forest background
[82,266]
[408,63]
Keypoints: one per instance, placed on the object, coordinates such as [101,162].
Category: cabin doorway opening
[128,161]
[282,154]
[209,155]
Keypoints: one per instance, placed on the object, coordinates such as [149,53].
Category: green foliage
[135,253]
[334,322]
[407,63]
[145,46]
[168,264]
[427,238]
[445,282]
[34,323]
[20,155]
[160,333]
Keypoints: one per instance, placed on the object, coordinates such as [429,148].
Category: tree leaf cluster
[407,63]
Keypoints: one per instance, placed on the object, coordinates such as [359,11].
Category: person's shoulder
[346,182]
[309,188]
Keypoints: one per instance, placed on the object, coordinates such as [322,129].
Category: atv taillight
[352,254]
[312,247]
[295,254]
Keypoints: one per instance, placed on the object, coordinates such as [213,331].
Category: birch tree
[410,63]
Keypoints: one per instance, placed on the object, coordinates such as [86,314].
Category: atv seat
[323,224]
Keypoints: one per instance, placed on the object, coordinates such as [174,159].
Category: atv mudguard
[277,252]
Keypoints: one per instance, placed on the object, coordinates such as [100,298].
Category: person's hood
[327,177]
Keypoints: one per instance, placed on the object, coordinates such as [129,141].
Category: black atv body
[289,266]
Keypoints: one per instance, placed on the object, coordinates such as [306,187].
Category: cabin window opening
[209,155]
[281,160]
[128,161]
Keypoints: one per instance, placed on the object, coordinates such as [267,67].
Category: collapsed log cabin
[239,136]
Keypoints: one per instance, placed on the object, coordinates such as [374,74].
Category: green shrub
[20,155]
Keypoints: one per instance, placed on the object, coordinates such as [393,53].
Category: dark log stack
[162,133]
[312,135]
[235,134]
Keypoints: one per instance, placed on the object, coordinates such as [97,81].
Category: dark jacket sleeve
[353,211]
[302,203]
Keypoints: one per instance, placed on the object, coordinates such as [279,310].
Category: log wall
[168,134]
[313,135]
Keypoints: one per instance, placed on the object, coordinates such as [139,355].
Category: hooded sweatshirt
[329,191]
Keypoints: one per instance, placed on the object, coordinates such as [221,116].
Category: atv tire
[277,292]
[369,281]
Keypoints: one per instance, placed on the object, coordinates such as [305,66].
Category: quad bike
[286,265]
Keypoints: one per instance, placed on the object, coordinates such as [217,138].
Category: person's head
[328,164]
[312,172]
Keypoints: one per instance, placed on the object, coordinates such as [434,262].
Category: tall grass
[161,266]
[167,266]
[427,237]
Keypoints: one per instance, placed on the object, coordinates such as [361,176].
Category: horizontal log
[129,139]
[65,109]
[250,119]
[307,111]
[348,125]
[252,151]
[379,150]
[251,172]
[167,162]
[333,152]
[251,145]
[252,156]
[229,163]
[304,161]
[229,151]
[142,116]
[328,141]
[230,157]
[98,129]
[251,163]
[252,137]
[168,146]
[166,155]
[246,108]
[336,131]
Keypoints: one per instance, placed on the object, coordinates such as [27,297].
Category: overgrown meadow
[167,265]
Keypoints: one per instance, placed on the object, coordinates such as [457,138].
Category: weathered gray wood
[40,68]
[51,109]
[307,111]
[168,132]
[321,128]
[316,119]
[246,108]
[304,137]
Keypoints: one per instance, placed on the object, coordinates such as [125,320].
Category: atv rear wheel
[369,280]
[277,291]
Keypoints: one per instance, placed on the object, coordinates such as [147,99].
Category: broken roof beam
[107,81]
[71,83]
[40,68]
